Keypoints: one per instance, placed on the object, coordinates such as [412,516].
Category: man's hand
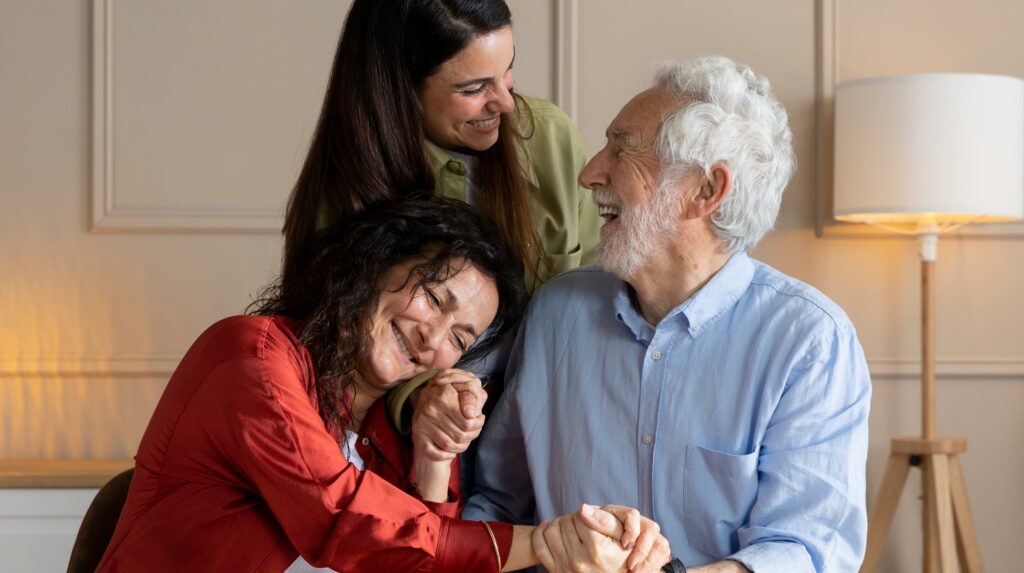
[650,549]
[567,545]
[446,416]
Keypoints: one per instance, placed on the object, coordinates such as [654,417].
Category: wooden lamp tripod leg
[941,518]
[896,471]
[967,540]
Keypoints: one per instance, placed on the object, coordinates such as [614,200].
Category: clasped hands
[447,418]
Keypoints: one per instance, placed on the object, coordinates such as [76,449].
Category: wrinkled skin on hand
[609,539]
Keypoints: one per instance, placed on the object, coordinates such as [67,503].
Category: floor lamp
[925,154]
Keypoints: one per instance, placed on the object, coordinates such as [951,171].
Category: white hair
[730,116]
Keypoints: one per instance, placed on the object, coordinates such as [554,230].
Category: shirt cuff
[444,509]
[466,546]
[453,506]
[775,557]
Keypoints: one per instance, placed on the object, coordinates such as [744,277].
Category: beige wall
[209,111]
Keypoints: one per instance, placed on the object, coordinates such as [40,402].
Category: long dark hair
[368,146]
[335,298]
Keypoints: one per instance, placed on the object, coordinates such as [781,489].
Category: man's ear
[712,191]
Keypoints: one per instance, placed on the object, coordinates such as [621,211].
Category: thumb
[468,404]
[600,521]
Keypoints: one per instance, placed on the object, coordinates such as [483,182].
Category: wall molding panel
[107,214]
[89,367]
[567,57]
[991,367]
[881,367]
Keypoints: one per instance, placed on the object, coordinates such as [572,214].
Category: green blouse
[563,213]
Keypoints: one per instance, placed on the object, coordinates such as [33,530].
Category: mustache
[605,196]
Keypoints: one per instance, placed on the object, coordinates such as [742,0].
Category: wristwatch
[674,566]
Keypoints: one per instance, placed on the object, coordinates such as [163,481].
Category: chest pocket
[719,489]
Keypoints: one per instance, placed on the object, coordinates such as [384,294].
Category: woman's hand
[650,549]
[567,544]
[440,409]
[447,414]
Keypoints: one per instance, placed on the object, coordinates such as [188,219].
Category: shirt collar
[626,313]
[720,294]
[440,157]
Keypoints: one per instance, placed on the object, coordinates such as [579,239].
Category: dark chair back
[98,524]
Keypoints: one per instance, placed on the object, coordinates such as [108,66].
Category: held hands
[447,418]
[445,406]
[609,539]
[447,415]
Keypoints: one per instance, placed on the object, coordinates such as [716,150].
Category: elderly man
[725,400]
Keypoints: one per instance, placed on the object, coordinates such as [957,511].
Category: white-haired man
[725,400]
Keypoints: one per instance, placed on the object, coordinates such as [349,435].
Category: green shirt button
[455,167]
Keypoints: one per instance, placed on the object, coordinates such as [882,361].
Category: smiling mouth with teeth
[485,123]
[608,212]
[401,344]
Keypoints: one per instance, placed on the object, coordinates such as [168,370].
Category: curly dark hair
[335,296]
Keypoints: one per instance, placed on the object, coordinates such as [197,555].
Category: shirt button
[456,167]
[648,439]
[366,441]
[656,355]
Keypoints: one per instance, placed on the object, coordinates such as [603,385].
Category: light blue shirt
[739,423]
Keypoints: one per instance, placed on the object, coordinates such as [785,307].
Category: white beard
[642,229]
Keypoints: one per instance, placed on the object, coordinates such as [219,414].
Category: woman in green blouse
[421,101]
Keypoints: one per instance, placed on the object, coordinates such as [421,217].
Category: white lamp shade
[929,148]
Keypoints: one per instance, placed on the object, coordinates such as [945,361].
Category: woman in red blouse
[252,460]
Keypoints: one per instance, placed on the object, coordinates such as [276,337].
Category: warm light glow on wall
[59,396]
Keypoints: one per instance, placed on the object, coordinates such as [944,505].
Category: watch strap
[674,566]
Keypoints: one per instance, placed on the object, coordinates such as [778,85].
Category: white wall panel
[202,110]
[535,68]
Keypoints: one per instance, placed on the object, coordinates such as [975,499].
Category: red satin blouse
[236,472]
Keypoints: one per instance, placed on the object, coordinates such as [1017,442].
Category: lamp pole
[949,537]
[929,237]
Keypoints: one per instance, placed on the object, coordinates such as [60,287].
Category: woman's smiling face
[416,330]
[464,99]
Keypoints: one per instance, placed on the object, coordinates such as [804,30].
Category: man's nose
[595,172]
